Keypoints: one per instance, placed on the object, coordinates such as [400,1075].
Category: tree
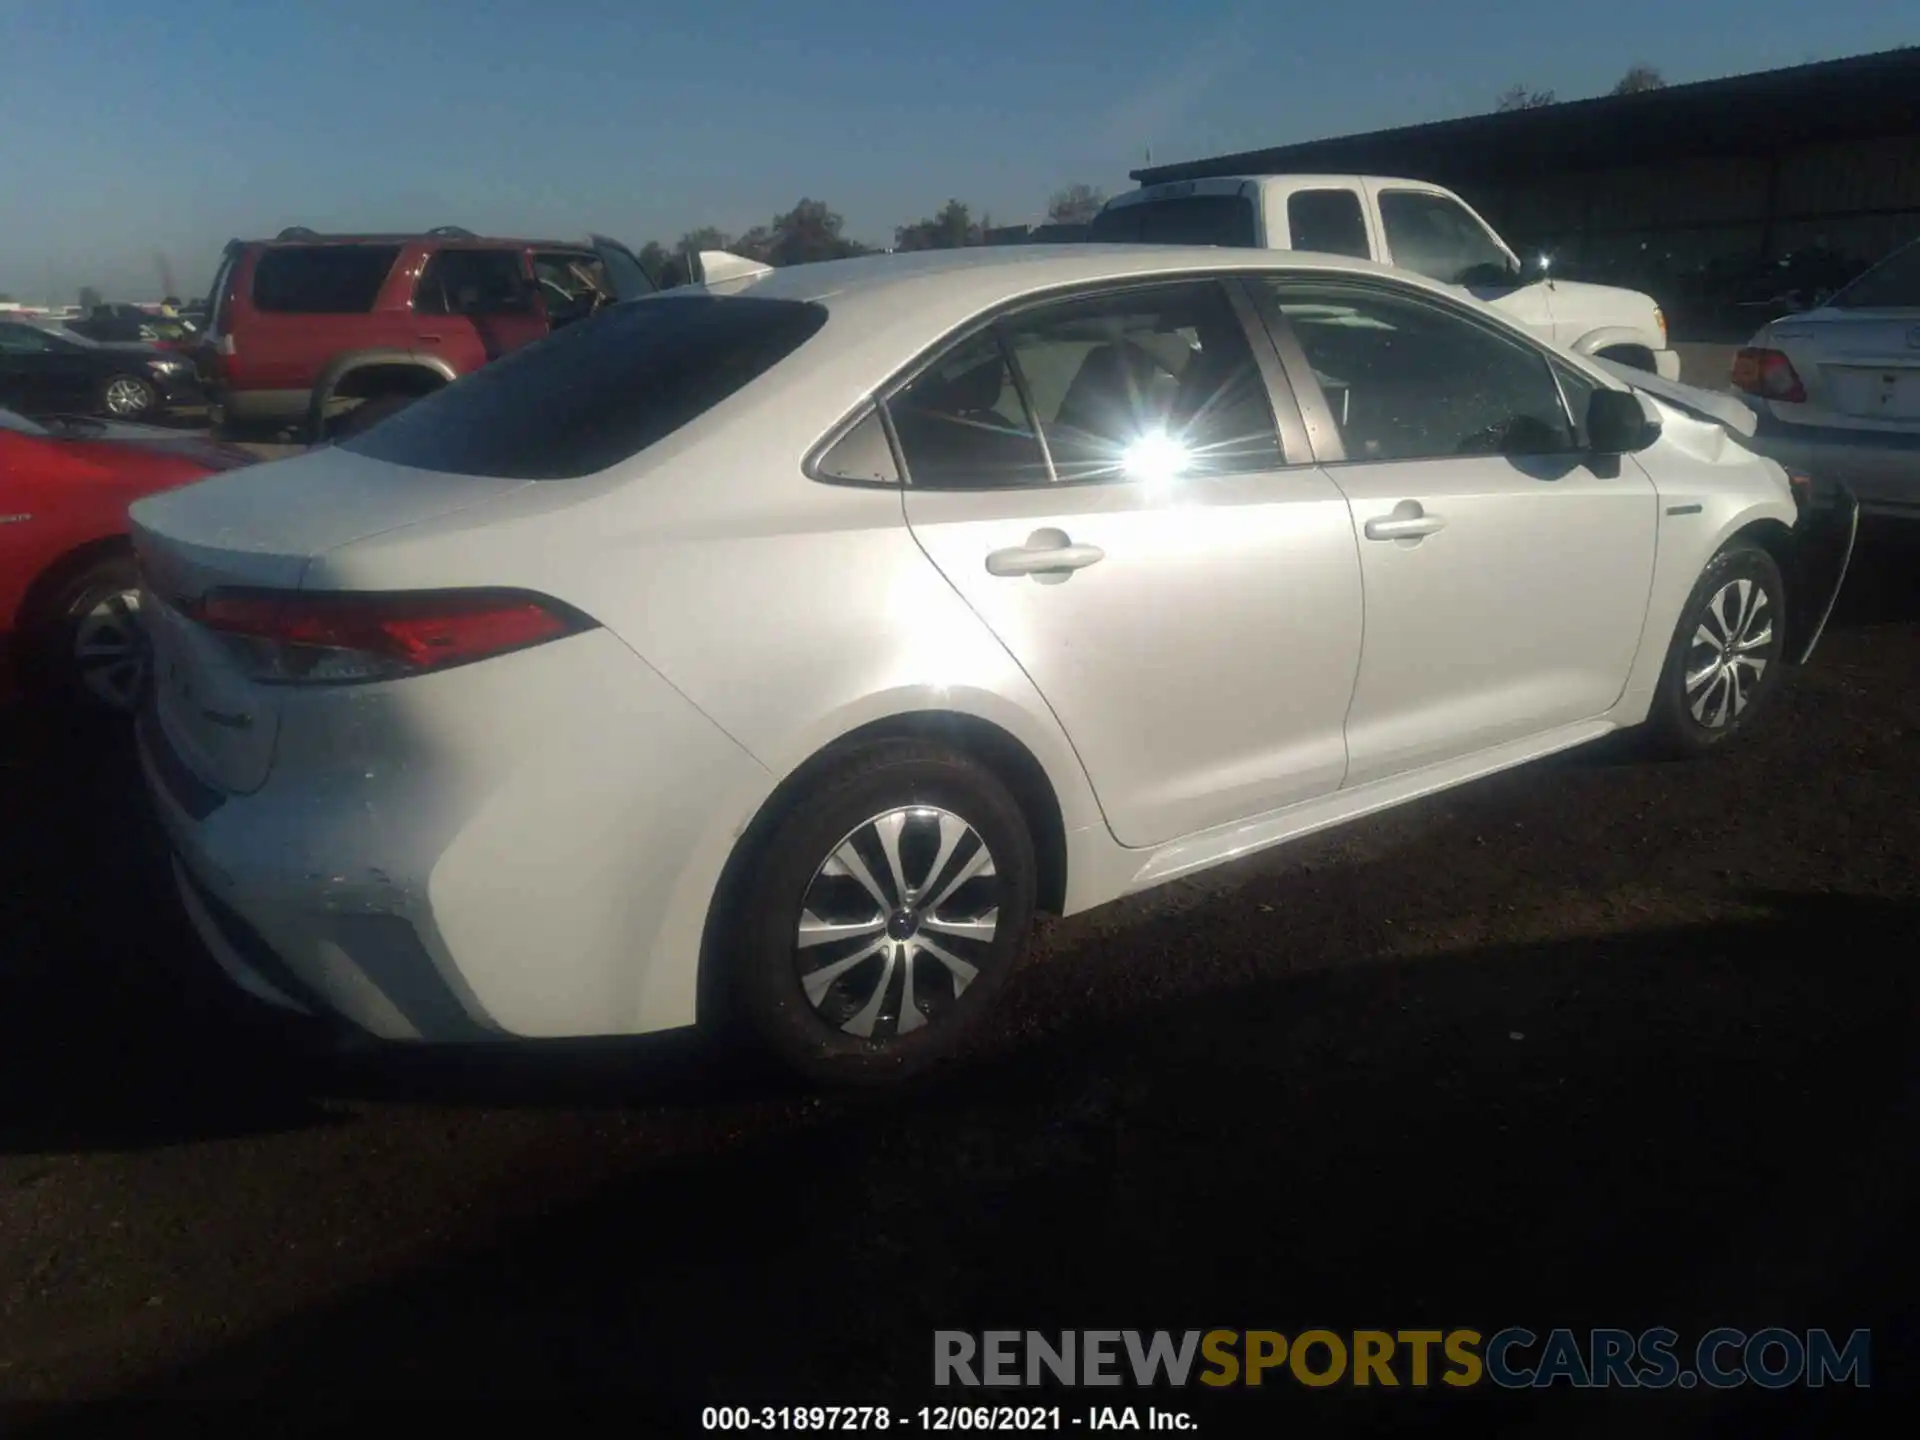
[949,228]
[809,232]
[1638,80]
[5,298]
[90,299]
[1075,205]
[705,238]
[1519,97]
[654,259]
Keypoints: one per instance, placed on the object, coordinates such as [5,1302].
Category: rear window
[1189,220]
[1893,284]
[321,279]
[596,392]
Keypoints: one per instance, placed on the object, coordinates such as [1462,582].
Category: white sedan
[773,656]
[1837,389]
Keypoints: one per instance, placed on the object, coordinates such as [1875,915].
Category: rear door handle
[1048,555]
[428,339]
[1409,521]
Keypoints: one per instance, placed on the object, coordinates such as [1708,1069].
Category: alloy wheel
[127,397]
[897,922]
[1731,649]
[110,653]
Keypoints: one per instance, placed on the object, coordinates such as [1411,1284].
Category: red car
[69,599]
[329,333]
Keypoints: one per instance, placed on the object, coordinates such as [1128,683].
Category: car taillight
[1767,373]
[291,638]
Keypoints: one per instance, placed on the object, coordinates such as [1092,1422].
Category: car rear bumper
[469,856]
[1882,469]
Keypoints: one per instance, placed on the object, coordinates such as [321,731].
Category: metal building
[1720,197]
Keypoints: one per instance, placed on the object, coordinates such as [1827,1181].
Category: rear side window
[596,392]
[473,282]
[1328,221]
[321,279]
[1189,220]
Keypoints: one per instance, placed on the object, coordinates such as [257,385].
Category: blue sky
[132,129]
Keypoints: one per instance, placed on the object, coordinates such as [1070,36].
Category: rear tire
[1725,660]
[828,964]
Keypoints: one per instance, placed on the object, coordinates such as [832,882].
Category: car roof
[420,237]
[980,277]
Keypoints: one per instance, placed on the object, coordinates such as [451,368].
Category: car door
[1101,479]
[1435,235]
[1506,569]
[483,302]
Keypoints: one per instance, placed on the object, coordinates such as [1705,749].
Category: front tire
[885,913]
[1725,660]
[90,652]
[127,397]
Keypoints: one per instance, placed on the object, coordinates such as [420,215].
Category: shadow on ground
[1687,1127]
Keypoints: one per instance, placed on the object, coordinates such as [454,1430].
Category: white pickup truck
[1407,223]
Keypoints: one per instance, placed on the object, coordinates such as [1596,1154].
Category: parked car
[129,324]
[1409,223]
[773,656]
[69,601]
[45,371]
[307,329]
[1837,389]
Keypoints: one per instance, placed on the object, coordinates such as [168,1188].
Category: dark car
[327,333]
[55,372]
[130,325]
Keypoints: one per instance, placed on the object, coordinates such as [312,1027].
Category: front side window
[1438,237]
[1329,221]
[321,279]
[472,282]
[597,392]
[1410,380]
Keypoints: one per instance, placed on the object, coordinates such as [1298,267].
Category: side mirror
[1619,423]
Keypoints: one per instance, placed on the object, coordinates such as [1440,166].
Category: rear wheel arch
[990,745]
[366,375]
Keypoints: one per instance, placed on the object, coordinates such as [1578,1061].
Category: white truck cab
[1408,223]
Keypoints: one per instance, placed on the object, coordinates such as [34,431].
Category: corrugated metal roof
[1856,98]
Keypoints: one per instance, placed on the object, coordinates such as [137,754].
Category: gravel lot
[1596,1043]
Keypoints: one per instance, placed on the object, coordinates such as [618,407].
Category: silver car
[1837,389]
[772,650]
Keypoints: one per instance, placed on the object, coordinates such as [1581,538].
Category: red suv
[329,333]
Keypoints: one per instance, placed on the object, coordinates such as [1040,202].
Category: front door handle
[1409,521]
[1049,556]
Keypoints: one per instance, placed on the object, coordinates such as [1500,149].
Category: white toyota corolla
[775,655]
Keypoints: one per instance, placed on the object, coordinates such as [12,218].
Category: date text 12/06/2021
[941,1419]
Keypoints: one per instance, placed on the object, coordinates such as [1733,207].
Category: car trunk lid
[258,528]
[1862,364]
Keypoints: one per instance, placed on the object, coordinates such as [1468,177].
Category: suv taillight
[289,638]
[1767,373]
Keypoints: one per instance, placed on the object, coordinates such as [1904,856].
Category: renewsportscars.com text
[1513,1358]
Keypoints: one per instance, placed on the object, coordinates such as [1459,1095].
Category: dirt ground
[1599,1042]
